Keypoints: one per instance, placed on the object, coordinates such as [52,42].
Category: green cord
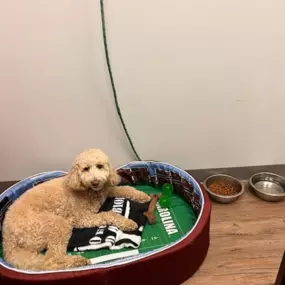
[112,79]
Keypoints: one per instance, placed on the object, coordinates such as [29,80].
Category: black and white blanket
[109,236]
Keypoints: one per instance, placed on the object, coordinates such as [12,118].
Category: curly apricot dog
[43,217]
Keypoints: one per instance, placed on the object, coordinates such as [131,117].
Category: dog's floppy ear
[72,180]
[114,178]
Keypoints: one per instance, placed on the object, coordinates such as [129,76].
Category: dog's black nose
[95,184]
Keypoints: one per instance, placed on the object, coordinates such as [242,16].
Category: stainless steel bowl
[225,199]
[268,186]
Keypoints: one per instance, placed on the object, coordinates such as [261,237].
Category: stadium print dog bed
[168,252]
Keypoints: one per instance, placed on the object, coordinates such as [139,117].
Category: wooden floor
[247,243]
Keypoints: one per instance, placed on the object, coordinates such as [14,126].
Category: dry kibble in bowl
[222,188]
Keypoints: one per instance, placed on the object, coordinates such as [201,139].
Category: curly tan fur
[43,217]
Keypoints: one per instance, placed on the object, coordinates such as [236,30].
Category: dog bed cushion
[111,237]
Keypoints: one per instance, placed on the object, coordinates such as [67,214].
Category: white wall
[201,83]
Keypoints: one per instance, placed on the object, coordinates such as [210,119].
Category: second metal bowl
[268,186]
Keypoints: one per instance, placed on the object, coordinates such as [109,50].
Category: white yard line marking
[176,221]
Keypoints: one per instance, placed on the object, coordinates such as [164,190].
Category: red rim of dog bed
[171,266]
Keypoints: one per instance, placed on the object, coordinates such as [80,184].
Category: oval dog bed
[170,252]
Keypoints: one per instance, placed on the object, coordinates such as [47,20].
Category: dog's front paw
[142,197]
[129,225]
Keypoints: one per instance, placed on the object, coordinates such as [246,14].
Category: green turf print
[171,224]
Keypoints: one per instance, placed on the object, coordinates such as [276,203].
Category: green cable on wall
[112,79]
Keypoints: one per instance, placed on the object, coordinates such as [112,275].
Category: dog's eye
[99,166]
[86,168]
